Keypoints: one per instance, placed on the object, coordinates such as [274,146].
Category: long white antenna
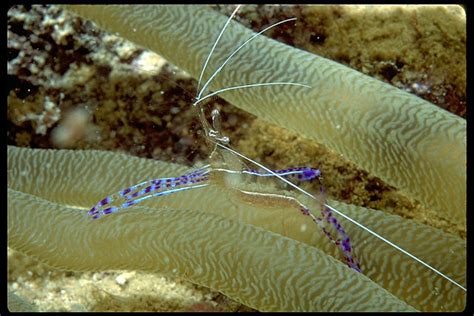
[343,215]
[213,47]
[235,52]
[252,85]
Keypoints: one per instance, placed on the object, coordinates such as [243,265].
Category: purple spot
[308,174]
[135,194]
[108,210]
[305,211]
[157,182]
[127,190]
[148,189]
[346,245]
[104,201]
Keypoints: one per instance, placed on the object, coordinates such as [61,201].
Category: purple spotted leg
[157,187]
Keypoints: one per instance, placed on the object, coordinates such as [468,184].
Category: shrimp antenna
[200,112]
[252,85]
[235,52]
[214,47]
